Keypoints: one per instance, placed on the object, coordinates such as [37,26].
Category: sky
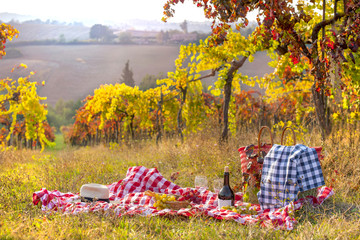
[105,11]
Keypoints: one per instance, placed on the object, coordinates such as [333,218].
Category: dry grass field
[23,172]
[72,72]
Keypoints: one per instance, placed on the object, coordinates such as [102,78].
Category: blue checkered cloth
[288,170]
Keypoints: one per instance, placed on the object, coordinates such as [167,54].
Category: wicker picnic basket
[318,149]
[252,156]
[251,166]
[177,205]
[283,134]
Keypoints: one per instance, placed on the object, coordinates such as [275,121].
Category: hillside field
[72,72]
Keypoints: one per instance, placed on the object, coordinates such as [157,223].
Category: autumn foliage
[7,32]
[22,115]
[140,117]
[325,33]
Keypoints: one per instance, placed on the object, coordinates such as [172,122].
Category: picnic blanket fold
[128,198]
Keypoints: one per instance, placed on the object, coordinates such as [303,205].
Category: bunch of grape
[241,209]
[161,199]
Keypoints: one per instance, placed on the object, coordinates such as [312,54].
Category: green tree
[101,33]
[62,38]
[149,81]
[63,113]
[127,75]
[125,38]
[184,26]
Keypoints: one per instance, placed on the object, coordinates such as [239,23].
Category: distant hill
[138,24]
[39,32]
[32,28]
[7,17]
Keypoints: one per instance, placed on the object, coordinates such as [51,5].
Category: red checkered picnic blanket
[127,197]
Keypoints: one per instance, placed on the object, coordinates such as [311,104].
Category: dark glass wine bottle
[226,195]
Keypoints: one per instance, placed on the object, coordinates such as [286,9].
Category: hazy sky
[104,11]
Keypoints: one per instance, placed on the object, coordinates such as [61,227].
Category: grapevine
[325,33]
[161,116]
[23,112]
[178,105]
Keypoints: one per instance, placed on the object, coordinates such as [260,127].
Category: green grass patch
[59,143]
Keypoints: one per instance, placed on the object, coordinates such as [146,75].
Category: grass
[59,143]
[24,172]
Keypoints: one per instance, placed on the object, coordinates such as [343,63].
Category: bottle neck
[226,179]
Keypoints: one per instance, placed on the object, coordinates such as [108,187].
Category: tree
[125,38]
[163,37]
[149,81]
[63,113]
[101,33]
[298,31]
[127,75]
[62,38]
[184,26]
[199,61]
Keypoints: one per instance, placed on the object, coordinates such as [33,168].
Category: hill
[138,24]
[34,31]
[7,17]
[72,72]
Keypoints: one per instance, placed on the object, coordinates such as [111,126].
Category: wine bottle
[226,195]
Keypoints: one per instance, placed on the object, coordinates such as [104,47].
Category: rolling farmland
[72,72]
